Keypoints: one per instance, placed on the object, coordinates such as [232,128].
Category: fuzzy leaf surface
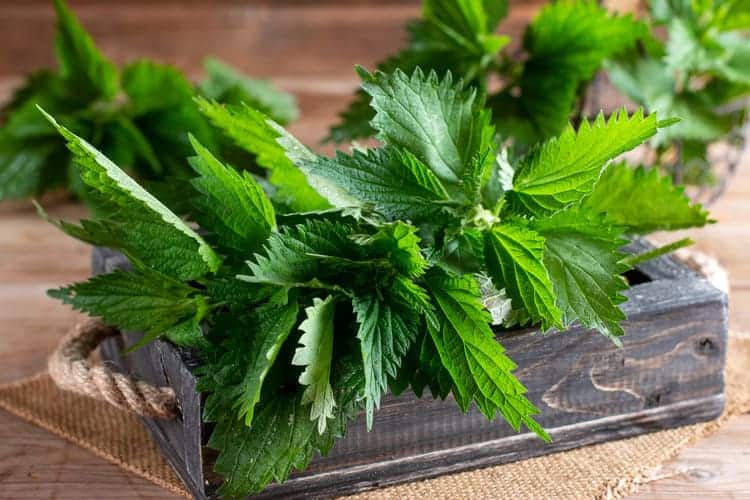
[144,227]
[139,300]
[385,332]
[250,130]
[440,122]
[282,437]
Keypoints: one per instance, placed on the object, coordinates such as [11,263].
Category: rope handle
[71,370]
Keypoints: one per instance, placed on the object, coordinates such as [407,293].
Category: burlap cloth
[609,470]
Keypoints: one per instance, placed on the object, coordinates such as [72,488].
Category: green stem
[634,260]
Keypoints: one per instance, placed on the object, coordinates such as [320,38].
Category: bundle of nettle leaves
[138,116]
[302,320]
[699,74]
[308,297]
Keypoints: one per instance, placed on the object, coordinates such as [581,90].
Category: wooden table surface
[34,256]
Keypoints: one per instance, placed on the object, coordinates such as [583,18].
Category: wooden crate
[669,373]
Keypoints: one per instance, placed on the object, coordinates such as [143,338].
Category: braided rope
[69,367]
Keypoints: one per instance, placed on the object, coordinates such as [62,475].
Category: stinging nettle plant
[138,116]
[303,320]
[538,88]
[701,72]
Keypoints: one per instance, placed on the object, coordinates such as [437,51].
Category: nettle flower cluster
[304,319]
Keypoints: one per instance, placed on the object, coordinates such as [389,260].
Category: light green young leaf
[80,61]
[251,131]
[385,333]
[475,359]
[642,200]
[563,170]
[148,230]
[584,263]
[440,122]
[233,206]
[513,256]
[315,354]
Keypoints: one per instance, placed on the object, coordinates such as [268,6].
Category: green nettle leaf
[22,166]
[250,130]
[476,361]
[139,118]
[81,63]
[642,200]
[442,124]
[395,182]
[282,436]
[513,256]
[453,35]
[233,205]
[584,263]
[400,242]
[292,257]
[563,170]
[385,331]
[143,226]
[269,328]
[566,44]
[315,354]
[651,84]
[140,300]
[224,84]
